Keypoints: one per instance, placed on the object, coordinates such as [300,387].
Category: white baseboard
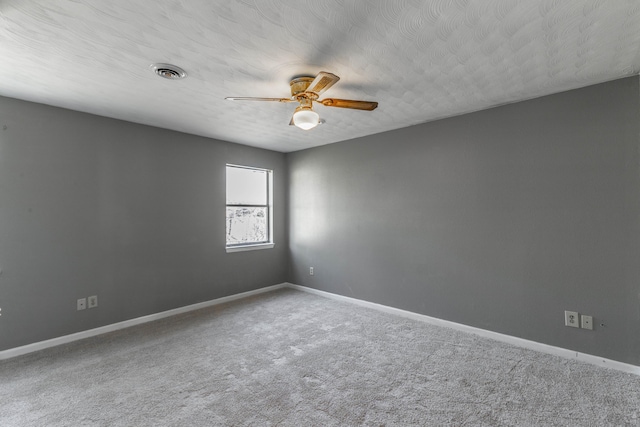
[29,348]
[520,342]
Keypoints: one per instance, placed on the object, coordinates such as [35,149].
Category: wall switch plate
[571,319]
[310,271]
[92,301]
[82,303]
[586,322]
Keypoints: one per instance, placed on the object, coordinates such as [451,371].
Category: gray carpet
[288,358]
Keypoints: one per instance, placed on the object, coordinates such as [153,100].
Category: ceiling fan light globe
[306,119]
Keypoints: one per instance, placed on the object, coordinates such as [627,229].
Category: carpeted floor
[289,358]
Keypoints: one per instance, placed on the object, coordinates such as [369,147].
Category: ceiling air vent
[169,71]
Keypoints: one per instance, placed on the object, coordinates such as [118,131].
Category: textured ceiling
[421,60]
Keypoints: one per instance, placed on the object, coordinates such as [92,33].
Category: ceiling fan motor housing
[300,85]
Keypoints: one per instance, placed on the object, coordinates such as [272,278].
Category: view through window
[248,219]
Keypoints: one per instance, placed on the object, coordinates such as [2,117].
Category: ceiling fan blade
[322,82]
[248,98]
[347,103]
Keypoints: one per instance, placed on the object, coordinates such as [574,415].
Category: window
[249,211]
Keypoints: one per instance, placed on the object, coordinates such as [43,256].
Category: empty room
[320,213]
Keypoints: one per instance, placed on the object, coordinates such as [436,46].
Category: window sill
[231,249]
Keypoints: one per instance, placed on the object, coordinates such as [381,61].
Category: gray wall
[500,219]
[133,214]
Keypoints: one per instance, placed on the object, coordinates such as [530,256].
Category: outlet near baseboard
[586,322]
[571,319]
[93,301]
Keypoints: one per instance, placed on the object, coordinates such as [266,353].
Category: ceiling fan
[306,90]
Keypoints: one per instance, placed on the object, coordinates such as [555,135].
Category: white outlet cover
[93,301]
[571,319]
[82,304]
[586,322]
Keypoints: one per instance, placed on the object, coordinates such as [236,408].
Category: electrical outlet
[310,271]
[92,301]
[571,319]
[586,322]
[82,303]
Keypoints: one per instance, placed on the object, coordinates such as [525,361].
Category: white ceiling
[421,60]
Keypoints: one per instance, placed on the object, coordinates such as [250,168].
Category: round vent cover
[169,71]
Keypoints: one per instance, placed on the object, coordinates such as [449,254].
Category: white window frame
[241,247]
